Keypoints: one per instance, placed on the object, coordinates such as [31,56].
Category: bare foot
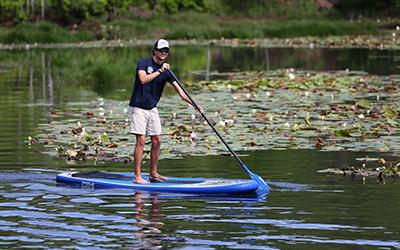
[140,180]
[158,176]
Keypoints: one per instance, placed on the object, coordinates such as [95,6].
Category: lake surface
[305,209]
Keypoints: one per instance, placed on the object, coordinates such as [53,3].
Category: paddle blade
[262,184]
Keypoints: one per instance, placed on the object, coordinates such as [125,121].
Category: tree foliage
[12,11]
[75,11]
[174,6]
[368,8]
[68,12]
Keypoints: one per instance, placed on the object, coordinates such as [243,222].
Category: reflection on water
[305,210]
[148,221]
[109,72]
[380,62]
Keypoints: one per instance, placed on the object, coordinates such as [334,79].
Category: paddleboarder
[151,76]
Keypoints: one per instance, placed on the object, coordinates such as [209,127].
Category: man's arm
[145,78]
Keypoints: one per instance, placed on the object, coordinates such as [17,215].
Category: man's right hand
[200,109]
[164,67]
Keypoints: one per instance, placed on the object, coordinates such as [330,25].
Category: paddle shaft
[209,123]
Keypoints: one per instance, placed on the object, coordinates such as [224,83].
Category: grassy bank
[183,26]
[194,25]
[42,32]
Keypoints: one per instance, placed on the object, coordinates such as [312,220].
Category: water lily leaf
[343,133]
[89,114]
[212,139]
[251,143]
[60,150]
[76,131]
[390,113]
[74,153]
[71,153]
[363,103]
[179,131]
[307,121]
[267,107]
[88,138]
[105,138]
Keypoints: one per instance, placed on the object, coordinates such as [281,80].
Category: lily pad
[365,104]
[252,111]
[390,113]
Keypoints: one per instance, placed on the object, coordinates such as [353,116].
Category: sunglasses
[163,50]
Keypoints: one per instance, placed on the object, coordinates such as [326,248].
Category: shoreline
[387,42]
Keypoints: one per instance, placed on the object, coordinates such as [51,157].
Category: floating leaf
[307,121]
[363,103]
[390,113]
[268,107]
[105,138]
[71,153]
[319,143]
[343,132]
[76,131]
[251,143]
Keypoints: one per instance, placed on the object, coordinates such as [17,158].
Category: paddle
[262,184]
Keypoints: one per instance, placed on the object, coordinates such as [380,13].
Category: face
[162,53]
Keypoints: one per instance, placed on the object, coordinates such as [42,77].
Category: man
[151,77]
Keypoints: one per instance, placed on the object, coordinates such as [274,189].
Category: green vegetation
[287,109]
[103,70]
[52,21]
[248,29]
[42,32]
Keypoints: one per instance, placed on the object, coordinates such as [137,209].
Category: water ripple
[326,240]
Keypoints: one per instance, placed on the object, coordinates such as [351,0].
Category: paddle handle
[209,123]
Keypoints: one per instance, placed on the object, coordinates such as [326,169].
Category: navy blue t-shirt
[146,96]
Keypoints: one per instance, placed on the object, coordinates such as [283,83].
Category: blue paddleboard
[173,184]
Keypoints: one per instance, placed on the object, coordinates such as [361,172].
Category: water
[305,210]
[381,62]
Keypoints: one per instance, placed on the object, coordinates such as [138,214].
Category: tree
[113,7]
[13,11]
[175,6]
[368,8]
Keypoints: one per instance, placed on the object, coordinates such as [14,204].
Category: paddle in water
[262,184]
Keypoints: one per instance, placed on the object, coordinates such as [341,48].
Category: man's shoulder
[146,60]
[144,64]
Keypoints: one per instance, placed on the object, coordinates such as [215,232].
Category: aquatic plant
[370,167]
[256,110]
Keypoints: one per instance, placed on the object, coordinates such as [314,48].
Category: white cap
[161,44]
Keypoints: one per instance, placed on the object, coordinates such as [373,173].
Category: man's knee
[140,141]
[156,140]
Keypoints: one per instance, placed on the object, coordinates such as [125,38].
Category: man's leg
[154,155]
[138,157]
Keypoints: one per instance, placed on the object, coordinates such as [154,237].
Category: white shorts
[144,122]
